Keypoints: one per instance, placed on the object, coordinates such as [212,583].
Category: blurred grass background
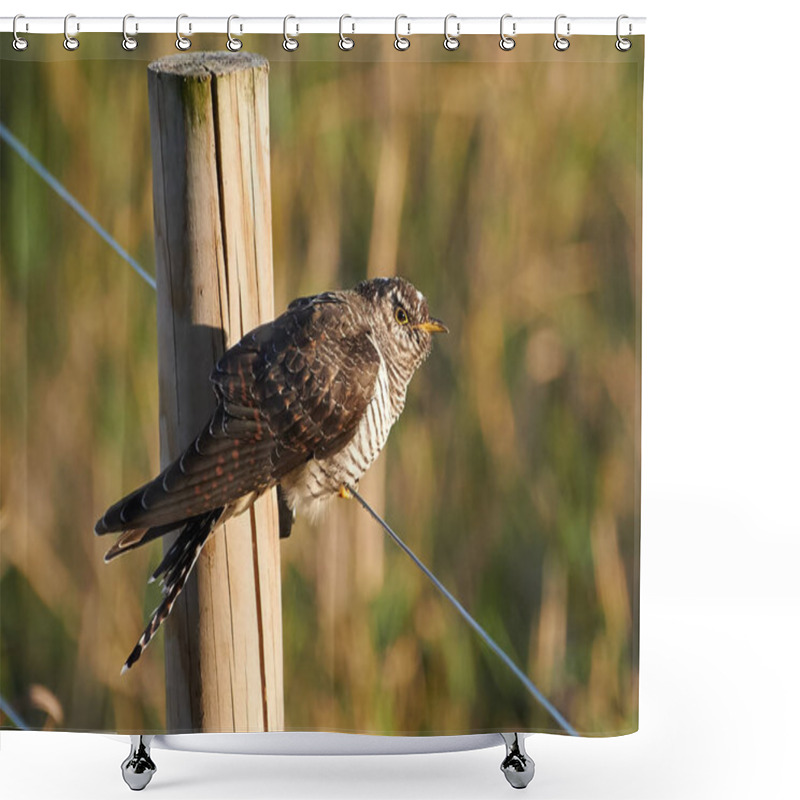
[506,186]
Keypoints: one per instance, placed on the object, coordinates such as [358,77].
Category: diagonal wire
[31,160]
[529,685]
[62,192]
[12,715]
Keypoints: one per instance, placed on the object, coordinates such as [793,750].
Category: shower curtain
[505,187]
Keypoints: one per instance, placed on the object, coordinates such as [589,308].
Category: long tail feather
[175,569]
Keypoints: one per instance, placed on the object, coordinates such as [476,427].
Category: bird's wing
[290,390]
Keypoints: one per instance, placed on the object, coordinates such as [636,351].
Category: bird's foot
[345,493]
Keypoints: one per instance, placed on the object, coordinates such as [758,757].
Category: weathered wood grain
[211,189]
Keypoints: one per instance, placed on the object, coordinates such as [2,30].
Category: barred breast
[316,481]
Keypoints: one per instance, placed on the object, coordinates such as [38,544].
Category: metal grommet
[182,43]
[19,44]
[290,43]
[451,42]
[128,42]
[345,42]
[506,42]
[233,44]
[400,42]
[70,42]
[560,43]
[623,45]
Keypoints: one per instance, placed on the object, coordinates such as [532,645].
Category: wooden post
[209,129]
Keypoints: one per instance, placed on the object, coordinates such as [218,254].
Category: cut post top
[212,63]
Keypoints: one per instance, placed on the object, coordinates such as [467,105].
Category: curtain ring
[345,42]
[128,42]
[70,42]
[401,42]
[560,43]
[19,44]
[233,44]
[507,42]
[623,45]
[451,42]
[182,43]
[290,43]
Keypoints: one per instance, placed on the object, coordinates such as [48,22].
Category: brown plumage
[304,403]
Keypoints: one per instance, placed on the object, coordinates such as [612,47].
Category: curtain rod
[406,26]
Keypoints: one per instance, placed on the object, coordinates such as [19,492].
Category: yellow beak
[432,326]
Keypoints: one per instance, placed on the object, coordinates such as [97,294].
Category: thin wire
[33,162]
[529,685]
[59,189]
[12,715]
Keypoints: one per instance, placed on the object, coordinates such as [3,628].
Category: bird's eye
[400,315]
